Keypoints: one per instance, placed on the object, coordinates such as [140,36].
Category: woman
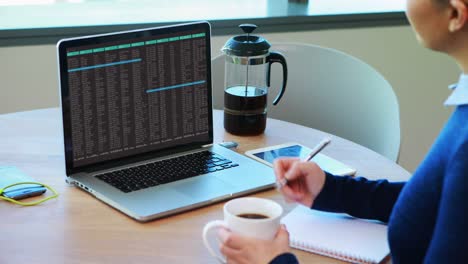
[427,216]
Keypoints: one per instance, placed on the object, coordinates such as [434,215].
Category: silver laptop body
[133,98]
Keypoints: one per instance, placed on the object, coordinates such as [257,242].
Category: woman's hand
[305,180]
[247,250]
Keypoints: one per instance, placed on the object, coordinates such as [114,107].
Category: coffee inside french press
[247,79]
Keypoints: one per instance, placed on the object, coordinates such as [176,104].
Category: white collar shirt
[459,94]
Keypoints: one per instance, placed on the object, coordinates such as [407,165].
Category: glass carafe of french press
[247,80]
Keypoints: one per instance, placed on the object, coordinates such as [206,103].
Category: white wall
[28,77]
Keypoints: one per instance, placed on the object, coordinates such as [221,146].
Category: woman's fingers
[282,165]
[230,239]
[230,253]
[291,194]
[283,235]
[296,171]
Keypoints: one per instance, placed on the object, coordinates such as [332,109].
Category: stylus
[321,145]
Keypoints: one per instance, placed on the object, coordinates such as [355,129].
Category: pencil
[319,147]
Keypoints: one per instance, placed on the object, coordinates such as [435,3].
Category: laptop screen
[129,93]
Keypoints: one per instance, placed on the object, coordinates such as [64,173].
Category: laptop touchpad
[204,187]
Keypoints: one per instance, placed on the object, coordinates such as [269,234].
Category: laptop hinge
[207,145]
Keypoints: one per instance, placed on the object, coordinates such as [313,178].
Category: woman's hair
[445,2]
[441,3]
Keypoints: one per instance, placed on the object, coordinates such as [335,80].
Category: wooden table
[77,228]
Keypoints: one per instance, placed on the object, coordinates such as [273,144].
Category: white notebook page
[337,235]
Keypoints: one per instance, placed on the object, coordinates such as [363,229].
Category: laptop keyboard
[165,171]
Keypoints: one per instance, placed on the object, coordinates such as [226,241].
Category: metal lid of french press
[246,45]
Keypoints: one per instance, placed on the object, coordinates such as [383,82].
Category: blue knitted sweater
[427,216]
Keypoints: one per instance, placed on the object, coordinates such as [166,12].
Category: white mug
[248,216]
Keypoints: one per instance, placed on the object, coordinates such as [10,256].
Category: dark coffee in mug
[245,110]
[253,216]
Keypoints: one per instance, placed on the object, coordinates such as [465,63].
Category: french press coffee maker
[247,80]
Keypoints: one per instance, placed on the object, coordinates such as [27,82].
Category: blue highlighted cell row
[135,44]
[174,86]
[104,65]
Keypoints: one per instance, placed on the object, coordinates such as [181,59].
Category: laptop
[138,123]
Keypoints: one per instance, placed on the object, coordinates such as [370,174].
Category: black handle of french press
[272,58]
[248,28]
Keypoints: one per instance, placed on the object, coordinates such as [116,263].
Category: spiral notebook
[337,235]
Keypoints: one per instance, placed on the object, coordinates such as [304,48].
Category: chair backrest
[333,92]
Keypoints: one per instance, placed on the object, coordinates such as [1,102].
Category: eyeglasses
[26,189]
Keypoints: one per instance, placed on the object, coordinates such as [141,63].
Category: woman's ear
[459,15]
